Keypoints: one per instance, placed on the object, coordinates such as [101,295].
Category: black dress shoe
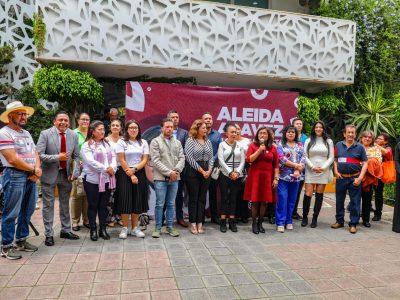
[49,241]
[367,224]
[69,236]
[376,218]
[93,235]
[103,233]
[86,225]
[76,228]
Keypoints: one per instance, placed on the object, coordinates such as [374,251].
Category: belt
[22,171]
[350,175]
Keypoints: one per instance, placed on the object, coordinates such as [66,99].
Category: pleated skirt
[132,198]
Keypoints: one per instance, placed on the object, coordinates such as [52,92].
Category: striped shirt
[21,142]
[194,152]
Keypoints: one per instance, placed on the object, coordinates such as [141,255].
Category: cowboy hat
[16,105]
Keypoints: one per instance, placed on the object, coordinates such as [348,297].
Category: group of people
[105,176]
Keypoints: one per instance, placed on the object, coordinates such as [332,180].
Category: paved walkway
[307,263]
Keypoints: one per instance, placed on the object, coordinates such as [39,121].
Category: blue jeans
[165,194]
[342,186]
[287,195]
[19,202]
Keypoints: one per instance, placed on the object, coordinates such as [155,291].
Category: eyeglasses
[20,114]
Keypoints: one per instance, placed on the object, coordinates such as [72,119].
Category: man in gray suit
[58,148]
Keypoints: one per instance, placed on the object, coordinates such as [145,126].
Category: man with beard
[181,135]
[215,138]
[58,147]
[22,169]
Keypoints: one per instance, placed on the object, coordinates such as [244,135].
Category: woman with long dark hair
[291,164]
[200,159]
[262,178]
[319,156]
[99,166]
[132,191]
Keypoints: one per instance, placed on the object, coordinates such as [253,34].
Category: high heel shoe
[200,229]
[255,227]
[193,228]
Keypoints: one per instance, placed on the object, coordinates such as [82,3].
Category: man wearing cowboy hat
[22,169]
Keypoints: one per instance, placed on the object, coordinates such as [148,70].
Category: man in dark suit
[58,147]
[181,135]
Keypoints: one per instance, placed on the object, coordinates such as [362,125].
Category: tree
[308,111]
[41,119]
[373,111]
[6,56]
[70,88]
[378,38]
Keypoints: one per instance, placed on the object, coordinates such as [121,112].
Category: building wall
[200,36]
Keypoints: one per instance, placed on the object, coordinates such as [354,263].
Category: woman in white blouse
[319,154]
[99,166]
[231,160]
[132,191]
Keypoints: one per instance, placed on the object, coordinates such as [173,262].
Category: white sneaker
[289,226]
[280,229]
[137,232]
[124,233]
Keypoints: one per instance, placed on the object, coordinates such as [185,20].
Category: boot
[255,226]
[306,209]
[222,226]
[260,226]
[93,234]
[319,197]
[232,225]
[103,233]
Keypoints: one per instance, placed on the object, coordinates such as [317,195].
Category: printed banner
[149,102]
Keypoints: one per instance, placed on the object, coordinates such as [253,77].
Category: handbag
[244,177]
[215,173]
[80,191]
[389,172]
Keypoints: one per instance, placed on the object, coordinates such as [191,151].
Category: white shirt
[114,148]
[92,169]
[133,151]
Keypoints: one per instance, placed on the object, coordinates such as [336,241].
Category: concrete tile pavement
[306,263]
